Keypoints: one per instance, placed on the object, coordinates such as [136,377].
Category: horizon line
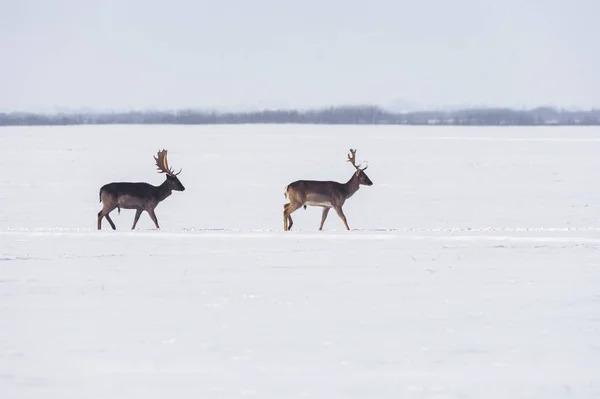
[251,110]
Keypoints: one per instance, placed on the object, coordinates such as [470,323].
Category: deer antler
[163,165]
[352,160]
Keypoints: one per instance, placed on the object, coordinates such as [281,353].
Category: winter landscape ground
[472,269]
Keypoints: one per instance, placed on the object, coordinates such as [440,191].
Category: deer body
[135,195]
[139,196]
[325,194]
[321,193]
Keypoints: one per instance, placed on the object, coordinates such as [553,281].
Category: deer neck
[352,185]
[163,191]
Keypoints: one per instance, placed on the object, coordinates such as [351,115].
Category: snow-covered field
[472,269]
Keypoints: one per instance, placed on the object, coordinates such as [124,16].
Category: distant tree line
[354,115]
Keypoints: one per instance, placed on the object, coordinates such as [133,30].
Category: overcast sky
[255,53]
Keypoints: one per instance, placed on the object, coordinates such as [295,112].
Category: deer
[325,194]
[139,196]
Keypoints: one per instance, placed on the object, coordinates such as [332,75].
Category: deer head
[360,173]
[163,167]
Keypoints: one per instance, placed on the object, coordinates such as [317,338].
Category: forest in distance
[351,115]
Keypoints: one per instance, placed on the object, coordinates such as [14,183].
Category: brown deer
[139,196]
[326,194]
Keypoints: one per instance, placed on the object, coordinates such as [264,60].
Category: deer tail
[119,210]
[285,191]
[304,206]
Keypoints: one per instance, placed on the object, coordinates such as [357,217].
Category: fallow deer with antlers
[139,196]
[325,194]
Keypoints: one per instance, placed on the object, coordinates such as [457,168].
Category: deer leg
[340,213]
[153,217]
[138,213]
[110,221]
[324,216]
[104,213]
[287,218]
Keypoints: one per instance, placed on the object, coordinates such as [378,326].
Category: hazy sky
[185,53]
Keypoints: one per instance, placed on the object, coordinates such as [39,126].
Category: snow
[471,271]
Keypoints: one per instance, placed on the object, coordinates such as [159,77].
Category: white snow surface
[472,269]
